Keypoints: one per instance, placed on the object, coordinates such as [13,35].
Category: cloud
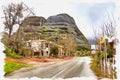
[92,15]
[97,12]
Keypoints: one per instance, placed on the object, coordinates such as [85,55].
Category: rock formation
[56,25]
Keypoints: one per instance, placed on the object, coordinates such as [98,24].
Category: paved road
[77,67]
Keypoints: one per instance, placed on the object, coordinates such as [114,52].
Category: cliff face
[54,26]
[61,18]
[35,21]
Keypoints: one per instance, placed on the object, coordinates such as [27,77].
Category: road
[76,67]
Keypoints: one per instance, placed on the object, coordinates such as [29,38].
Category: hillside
[53,29]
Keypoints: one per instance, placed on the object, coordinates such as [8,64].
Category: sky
[86,14]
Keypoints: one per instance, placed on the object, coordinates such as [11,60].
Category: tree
[106,50]
[69,44]
[109,29]
[15,14]
[54,51]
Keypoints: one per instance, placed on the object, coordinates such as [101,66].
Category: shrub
[96,66]
[54,51]
[78,55]
[10,53]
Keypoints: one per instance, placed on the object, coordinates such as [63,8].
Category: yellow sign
[102,40]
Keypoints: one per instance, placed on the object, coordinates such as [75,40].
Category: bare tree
[14,14]
[69,44]
[109,29]
[97,34]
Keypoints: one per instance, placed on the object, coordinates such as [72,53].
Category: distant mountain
[54,26]
[91,41]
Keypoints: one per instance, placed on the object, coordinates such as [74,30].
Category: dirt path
[35,60]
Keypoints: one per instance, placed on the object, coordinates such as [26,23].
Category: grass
[12,66]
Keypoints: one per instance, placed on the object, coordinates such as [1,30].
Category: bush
[80,48]
[87,53]
[96,58]
[109,55]
[78,55]
[12,54]
[96,66]
[54,51]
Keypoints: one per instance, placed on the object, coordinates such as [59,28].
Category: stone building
[41,48]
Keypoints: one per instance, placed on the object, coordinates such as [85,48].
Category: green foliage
[12,54]
[54,51]
[103,55]
[78,55]
[12,66]
[87,53]
[109,55]
[84,51]
[80,48]
[96,66]
[96,59]
[110,50]
[98,69]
